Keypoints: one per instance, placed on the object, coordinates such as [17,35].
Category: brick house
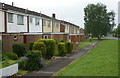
[19,25]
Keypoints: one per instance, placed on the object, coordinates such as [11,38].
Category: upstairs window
[48,23]
[44,22]
[37,21]
[57,25]
[31,20]
[20,19]
[10,17]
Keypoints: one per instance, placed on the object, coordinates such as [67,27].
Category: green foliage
[61,49]
[63,41]
[19,49]
[22,63]
[8,62]
[41,47]
[98,21]
[69,47]
[34,60]
[9,55]
[50,47]
[31,45]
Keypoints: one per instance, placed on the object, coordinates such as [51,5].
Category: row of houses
[18,25]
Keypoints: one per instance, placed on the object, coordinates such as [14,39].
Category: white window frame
[10,17]
[37,21]
[31,20]
[44,22]
[48,23]
[20,19]
[57,24]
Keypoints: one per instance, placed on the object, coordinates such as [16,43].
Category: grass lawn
[100,61]
[86,43]
[22,72]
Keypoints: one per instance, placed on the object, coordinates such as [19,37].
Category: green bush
[41,47]
[34,60]
[22,63]
[63,41]
[9,55]
[50,47]
[31,45]
[8,62]
[69,47]
[61,49]
[19,49]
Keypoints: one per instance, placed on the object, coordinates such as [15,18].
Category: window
[57,24]
[45,37]
[10,17]
[31,20]
[20,19]
[44,22]
[37,21]
[48,23]
[53,24]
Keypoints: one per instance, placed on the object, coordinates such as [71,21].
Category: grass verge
[100,61]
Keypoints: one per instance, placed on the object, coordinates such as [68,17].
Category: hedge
[50,47]
[9,55]
[31,45]
[34,60]
[61,49]
[41,47]
[69,46]
[19,49]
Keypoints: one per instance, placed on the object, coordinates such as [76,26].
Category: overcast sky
[69,10]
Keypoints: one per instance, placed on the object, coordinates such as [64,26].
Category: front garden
[38,55]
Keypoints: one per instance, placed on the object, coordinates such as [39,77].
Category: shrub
[63,41]
[61,49]
[8,62]
[50,47]
[19,49]
[9,55]
[22,62]
[34,60]
[41,47]
[69,47]
[31,45]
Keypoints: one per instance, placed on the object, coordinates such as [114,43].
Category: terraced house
[19,25]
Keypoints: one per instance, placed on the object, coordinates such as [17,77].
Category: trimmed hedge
[50,47]
[34,60]
[19,49]
[41,47]
[61,49]
[31,45]
[69,46]
[9,55]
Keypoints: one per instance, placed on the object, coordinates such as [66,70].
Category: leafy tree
[98,21]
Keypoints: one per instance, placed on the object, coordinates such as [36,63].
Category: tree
[98,21]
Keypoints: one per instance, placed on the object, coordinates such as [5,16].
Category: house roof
[14,8]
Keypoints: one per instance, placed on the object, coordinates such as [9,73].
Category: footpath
[48,71]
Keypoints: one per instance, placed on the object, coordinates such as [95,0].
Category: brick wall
[8,41]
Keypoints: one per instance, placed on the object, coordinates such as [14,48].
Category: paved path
[60,63]
[111,37]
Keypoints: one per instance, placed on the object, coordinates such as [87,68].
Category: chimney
[12,3]
[53,15]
